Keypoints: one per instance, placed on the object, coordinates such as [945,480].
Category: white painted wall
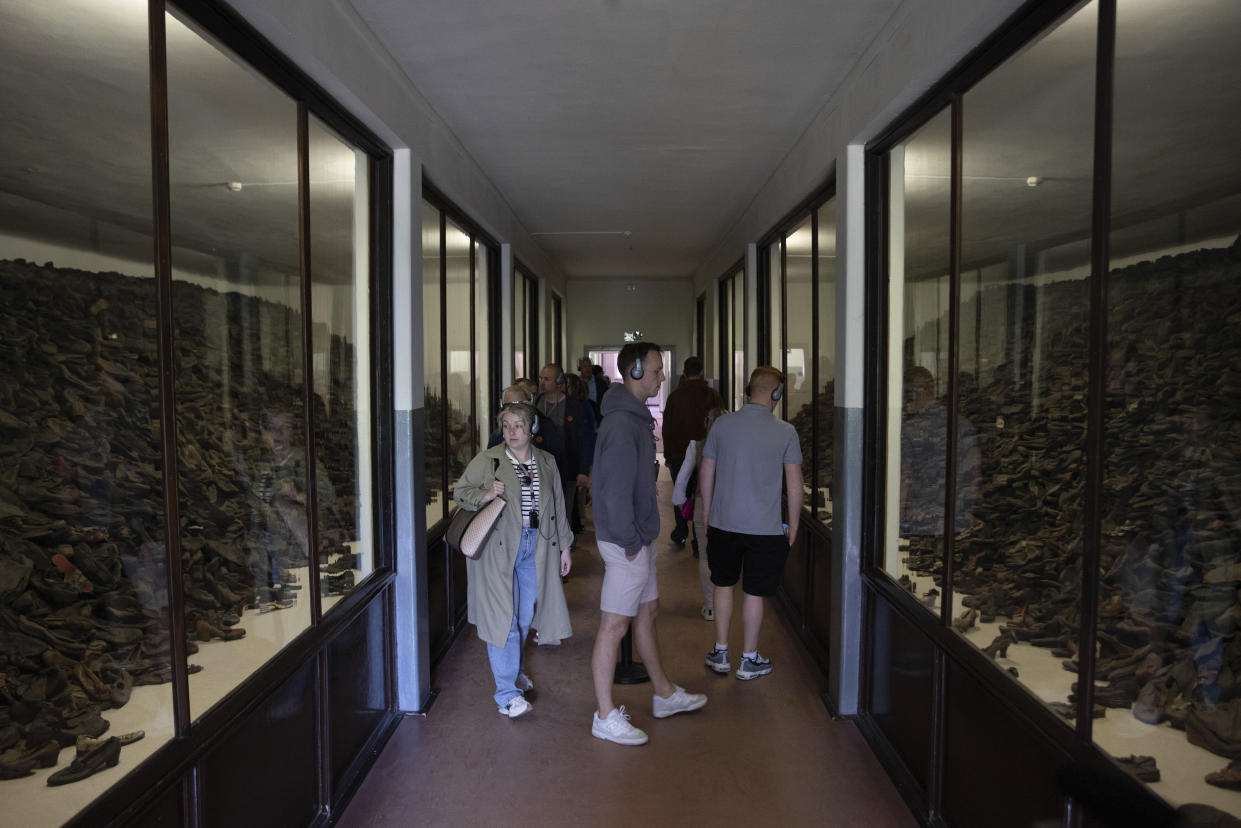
[599,313]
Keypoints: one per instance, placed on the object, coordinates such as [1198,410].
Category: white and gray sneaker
[752,668]
[717,660]
[616,728]
[679,702]
[517,706]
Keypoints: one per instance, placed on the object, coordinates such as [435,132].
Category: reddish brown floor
[762,752]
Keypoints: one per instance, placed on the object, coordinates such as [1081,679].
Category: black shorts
[758,560]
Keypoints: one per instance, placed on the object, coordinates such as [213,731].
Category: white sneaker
[679,702]
[616,728]
[517,706]
[708,614]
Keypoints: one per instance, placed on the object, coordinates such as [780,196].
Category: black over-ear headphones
[776,393]
[534,424]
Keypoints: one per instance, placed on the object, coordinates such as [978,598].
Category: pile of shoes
[1169,612]
[83,571]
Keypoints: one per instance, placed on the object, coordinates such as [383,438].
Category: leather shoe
[106,755]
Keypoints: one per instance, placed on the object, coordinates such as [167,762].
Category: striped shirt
[528,478]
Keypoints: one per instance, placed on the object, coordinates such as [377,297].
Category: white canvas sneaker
[616,728]
[679,702]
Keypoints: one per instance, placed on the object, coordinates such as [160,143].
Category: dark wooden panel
[264,772]
[901,684]
[796,577]
[168,811]
[356,687]
[438,627]
[997,768]
[819,616]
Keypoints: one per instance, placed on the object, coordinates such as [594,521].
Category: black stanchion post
[629,671]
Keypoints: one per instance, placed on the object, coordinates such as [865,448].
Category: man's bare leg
[752,616]
[723,613]
[603,659]
[647,644]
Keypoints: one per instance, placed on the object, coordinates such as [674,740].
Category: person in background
[575,419]
[683,421]
[626,524]
[586,372]
[575,388]
[748,454]
[602,384]
[684,492]
[514,583]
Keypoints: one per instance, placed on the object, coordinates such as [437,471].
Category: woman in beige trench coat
[515,582]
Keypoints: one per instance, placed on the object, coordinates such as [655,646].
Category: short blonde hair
[523,411]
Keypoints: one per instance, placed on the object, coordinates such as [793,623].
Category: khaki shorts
[627,584]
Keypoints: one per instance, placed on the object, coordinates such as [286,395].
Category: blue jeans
[506,660]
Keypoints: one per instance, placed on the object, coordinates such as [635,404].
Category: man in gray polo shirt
[746,455]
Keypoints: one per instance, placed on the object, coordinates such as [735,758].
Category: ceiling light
[235,186]
[1033,181]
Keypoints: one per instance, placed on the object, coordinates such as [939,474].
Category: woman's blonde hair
[524,411]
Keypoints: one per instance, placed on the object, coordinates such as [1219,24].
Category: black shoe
[679,540]
[104,756]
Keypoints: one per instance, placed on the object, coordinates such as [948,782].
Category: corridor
[761,752]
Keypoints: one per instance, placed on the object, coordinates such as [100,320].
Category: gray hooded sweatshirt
[623,477]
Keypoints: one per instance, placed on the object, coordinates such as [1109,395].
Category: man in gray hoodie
[626,523]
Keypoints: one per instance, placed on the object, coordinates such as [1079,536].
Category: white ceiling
[627,135]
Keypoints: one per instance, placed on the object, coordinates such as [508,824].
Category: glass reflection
[238,361]
[799,325]
[825,412]
[1169,653]
[84,642]
[1022,372]
[339,249]
[432,370]
[482,347]
[919,203]
[461,428]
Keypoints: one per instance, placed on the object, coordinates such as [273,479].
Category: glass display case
[87,601]
[1007,350]
[85,647]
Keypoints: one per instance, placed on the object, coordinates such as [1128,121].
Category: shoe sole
[754,675]
[719,668]
[607,738]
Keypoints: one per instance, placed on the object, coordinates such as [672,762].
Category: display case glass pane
[798,349]
[340,308]
[482,345]
[432,370]
[1169,652]
[825,403]
[460,352]
[83,575]
[237,360]
[1027,159]
[775,296]
[919,203]
[520,368]
[737,338]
